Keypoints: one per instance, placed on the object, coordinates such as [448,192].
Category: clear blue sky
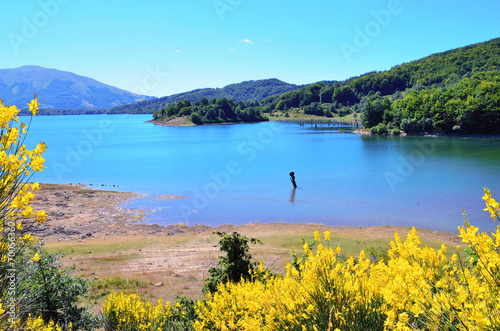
[164,47]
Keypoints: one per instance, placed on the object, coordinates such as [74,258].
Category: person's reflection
[292,196]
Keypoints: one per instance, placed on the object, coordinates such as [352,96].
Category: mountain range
[60,90]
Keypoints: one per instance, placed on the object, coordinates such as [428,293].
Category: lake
[239,173]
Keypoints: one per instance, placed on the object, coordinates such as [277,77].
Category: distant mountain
[245,91]
[60,90]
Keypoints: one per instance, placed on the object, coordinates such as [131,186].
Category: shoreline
[363,131]
[76,210]
[105,239]
[182,121]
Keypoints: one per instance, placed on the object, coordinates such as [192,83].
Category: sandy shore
[97,231]
[77,212]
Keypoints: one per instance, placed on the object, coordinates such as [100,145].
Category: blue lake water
[239,173]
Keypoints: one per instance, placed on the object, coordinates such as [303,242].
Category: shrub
[185,111]
[35,294]
[322,293]
[409,126]
[395,131]
[236,265]
[196,118]
[18,220]
[409,288]
[128,312]
[53,291]
[379,129]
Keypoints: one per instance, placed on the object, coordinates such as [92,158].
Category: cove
[239,173]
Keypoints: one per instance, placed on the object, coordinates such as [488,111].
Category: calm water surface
[239,173]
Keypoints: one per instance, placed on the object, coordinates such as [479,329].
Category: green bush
[237,263]
[379,129]
[196,118]
[395,131]
[45,288]
[185,111]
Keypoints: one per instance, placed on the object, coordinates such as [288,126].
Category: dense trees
[455,91]
[244,91]
[218,110]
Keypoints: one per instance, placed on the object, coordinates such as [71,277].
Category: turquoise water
[239,173]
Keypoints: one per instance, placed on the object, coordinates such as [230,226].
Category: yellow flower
[40,216]
[316,236]
[34,105]
[491,205]
[36,258]
[327,235]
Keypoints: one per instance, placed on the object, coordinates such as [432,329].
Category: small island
[205,111]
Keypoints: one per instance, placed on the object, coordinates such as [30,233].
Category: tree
[196,118]
[345,95]
[326,93]
[235,265]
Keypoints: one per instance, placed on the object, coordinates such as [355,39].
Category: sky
[163,47]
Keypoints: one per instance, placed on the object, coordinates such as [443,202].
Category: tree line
[205,111]
[457,91]
[454,91]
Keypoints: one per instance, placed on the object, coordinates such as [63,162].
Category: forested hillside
[457,91]
[245,91]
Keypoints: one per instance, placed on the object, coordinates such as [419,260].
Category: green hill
[457,91]
[248,90]
[454,91]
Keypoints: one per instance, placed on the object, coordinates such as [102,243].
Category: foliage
[52,291]
[457,91]
[379,129]
[38,324]
[409,288]
[128,312]
[35,294]
[17,217]
[219,110]
[235,265]
[323,293]
[244,91]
